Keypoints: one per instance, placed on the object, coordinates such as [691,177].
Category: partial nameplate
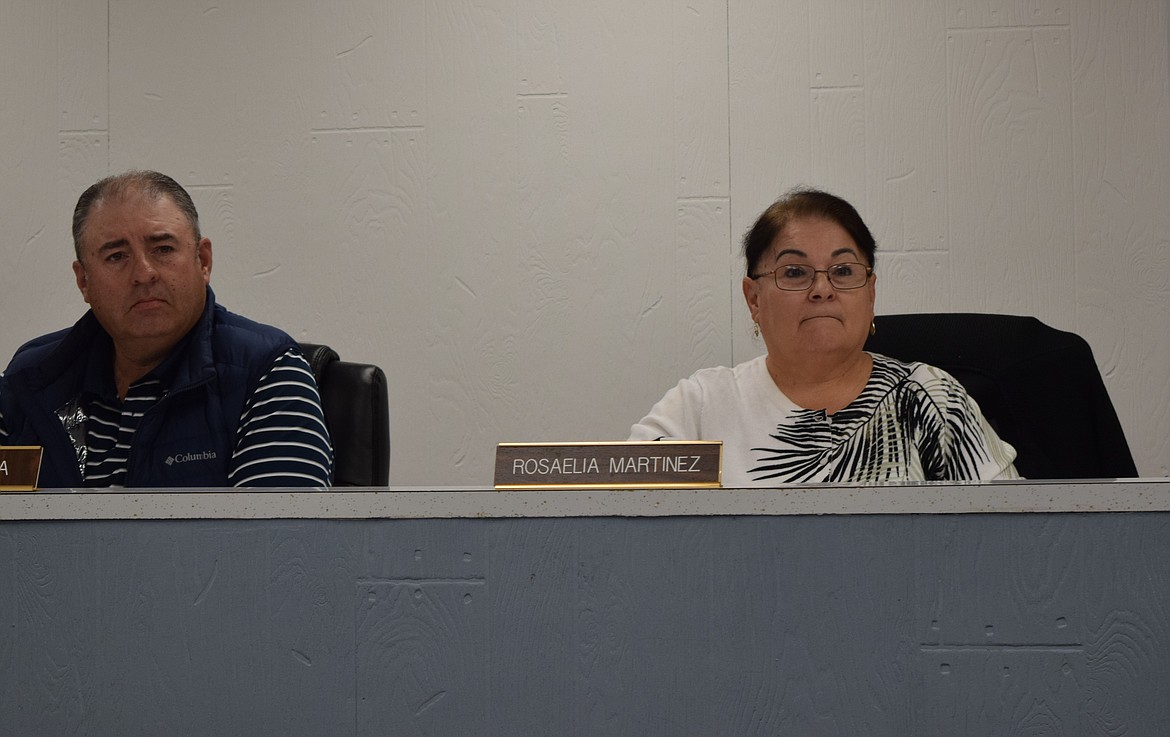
[663,464]
[20,465]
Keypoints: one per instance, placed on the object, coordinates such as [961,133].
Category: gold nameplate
[664,464]
[20,465]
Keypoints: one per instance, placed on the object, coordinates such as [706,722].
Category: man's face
[142,272]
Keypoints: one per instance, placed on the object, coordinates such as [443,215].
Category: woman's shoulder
[719,385]
[931,379]
[723,375]
[887,364]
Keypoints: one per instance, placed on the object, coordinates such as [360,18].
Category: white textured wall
[528,211]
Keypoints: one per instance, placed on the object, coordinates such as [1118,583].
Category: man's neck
[130,366]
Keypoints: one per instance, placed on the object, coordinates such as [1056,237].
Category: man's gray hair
[119,185]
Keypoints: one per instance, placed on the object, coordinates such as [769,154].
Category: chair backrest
[357,411]
[1039,387]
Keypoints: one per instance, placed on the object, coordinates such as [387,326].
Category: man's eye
[114,257]
[164,249]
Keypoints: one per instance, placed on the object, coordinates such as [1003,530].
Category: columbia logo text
[206,455]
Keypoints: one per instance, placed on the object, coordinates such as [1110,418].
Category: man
[157,385]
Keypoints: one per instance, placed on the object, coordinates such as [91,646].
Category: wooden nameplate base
[664,464]
[20,465]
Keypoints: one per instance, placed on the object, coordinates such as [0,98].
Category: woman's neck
[822,382]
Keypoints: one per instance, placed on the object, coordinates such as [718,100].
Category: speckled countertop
[1129,495]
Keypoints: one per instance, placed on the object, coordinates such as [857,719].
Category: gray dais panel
[987,624]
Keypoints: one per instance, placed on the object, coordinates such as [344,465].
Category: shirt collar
[98,378]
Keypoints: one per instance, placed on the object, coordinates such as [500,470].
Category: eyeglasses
[799,277]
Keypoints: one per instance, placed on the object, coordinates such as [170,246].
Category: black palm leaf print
[876,437]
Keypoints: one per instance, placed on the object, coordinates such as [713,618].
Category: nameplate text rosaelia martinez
[665,464]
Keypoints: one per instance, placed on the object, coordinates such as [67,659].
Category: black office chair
[1039,387]
[357,411]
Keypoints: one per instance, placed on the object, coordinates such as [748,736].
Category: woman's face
[821,321]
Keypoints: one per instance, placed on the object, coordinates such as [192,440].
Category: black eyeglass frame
[813,279]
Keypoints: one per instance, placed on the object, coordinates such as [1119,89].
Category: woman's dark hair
[804,203]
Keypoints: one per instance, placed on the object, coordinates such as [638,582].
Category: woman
[816,407]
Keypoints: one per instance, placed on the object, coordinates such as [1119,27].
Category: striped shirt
[282,438]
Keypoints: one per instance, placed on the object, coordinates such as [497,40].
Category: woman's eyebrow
[845,251]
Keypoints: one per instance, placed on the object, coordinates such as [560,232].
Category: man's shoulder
[38,350]
[240,340]
[238,327]
[43,344]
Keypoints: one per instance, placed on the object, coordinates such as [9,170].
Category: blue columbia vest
[186,439]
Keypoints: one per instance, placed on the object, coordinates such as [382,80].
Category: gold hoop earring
[756,329]
[872,327]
